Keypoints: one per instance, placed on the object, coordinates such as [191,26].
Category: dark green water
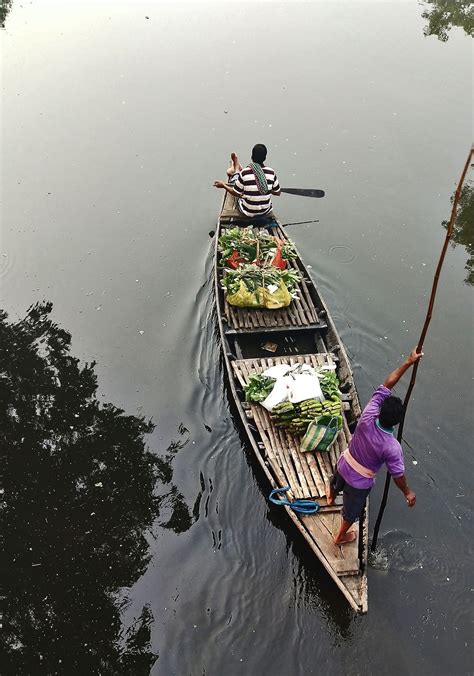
[116,119]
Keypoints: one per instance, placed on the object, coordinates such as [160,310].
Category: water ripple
[342,253]
[6,264]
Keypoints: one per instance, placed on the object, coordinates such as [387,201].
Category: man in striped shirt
[254,185]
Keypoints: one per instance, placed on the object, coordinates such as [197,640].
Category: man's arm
[410,496]
[276,187]
[227,187]
[392,379]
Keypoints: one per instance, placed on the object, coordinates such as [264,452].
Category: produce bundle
[329,384]
[238,246]
[295,418]
[255,269]
[258,387]
[258,276]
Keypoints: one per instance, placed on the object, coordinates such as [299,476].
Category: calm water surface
[116,119]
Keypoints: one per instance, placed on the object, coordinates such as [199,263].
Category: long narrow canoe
[304,333]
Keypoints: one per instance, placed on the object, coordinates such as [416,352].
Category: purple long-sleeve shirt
[372,446]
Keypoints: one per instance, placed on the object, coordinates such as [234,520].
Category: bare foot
[330,497]
[235,162]
[348,537]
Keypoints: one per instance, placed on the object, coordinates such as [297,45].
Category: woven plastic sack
[321,433]
[244,298]
[279,298]
[262,297]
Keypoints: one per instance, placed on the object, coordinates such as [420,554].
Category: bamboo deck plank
[327,464]
[288,466]
[315,472]
[242,380]
[278,440]
[332,454]
[264,431]
[265,423]
[305,491]
[322,466]
[313,489]
[313,315]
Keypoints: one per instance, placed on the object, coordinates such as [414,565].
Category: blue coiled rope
[301,506]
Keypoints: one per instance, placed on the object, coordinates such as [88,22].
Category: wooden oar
[304,192]
[301,192]
[285,225]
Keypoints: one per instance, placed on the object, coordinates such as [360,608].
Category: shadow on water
[463,232]
[77,498]
[442,15]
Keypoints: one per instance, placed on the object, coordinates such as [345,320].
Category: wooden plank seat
[305,473]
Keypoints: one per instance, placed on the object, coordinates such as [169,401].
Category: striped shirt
[252,202]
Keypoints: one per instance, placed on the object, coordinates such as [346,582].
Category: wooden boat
[304,333]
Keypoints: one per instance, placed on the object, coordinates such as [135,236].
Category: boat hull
[302,333]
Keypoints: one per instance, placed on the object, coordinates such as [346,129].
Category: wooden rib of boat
[304,333]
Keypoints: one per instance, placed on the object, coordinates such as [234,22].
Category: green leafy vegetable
[258,388]
[251,245]
[256,276]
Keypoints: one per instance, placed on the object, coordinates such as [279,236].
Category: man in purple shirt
[372,446]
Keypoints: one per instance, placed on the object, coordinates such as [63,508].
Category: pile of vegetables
[329,384]
[238,246]
[295,418]
[257,276]
[256,272]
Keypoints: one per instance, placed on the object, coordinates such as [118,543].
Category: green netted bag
[321,433]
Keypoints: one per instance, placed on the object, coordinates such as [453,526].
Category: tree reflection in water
[442,15]
[463,232]
[78,495]
[5,7]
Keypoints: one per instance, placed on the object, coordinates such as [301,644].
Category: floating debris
[269,347]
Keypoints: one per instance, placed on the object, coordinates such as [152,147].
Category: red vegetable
[279,261]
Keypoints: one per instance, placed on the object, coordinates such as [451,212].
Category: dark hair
[259,153]
[391,412]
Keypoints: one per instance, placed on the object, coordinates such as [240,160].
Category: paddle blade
[304,192]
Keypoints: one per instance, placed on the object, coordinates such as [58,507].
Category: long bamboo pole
[422,337]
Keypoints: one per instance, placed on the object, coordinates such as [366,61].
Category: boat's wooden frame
[307,320]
